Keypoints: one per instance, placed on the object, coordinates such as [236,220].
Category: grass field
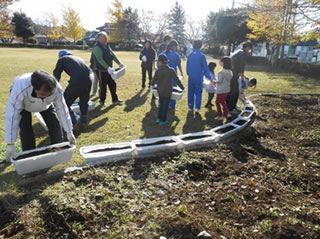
[136,118]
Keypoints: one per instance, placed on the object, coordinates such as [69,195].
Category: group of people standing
[228,86]
[41,92]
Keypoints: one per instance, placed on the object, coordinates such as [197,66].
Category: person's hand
[71,138]
[11,152]
[110,70]
[121,65]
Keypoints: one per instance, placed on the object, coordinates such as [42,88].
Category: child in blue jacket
[196,68]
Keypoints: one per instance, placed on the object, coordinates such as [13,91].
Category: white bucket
[46,160]
[76,108]
[102,153]
[156,146]
[118,73]
[177,93]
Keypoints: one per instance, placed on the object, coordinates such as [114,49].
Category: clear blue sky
[94,13]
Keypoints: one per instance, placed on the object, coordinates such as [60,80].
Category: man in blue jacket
[197,67]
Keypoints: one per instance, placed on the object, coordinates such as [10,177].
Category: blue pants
[194,91]
[163,108]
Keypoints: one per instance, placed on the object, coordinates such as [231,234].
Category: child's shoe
[163,122]
[219,118]
[158,120]
[229,116]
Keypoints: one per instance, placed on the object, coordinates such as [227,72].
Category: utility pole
[232,4]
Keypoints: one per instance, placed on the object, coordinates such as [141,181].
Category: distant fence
[304,69]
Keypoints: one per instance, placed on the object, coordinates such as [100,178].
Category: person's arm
[62,110]
[188,67]
[99,56]
[179,65]
[203,62]
[220,77]
[115,58]
[176,78]
[155,79]
[12,114]
[242,65]
[58,70]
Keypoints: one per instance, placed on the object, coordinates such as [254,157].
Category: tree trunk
[229,49]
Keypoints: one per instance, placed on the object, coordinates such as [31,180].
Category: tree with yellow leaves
[56,30]
[6,29]
[72,28]
[116,17]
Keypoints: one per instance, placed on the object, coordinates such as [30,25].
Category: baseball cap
[163,58]
[64,52]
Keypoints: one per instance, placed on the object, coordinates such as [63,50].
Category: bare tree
[194,29]
[147,19]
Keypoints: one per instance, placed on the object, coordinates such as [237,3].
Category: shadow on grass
[193,123]
[152,129]
[137,100]
[10,204]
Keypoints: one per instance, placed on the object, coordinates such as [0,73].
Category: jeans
[104,80]
[233,95]
[26,131]
[163,108]
[210,97]
[194,93]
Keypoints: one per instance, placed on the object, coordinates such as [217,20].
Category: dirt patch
[264,184]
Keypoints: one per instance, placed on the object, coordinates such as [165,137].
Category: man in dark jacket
[163,46]
[163,78]
[79,83]
[238,59]
[102,58]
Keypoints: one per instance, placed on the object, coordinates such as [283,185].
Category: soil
[108,149]
[224,130]
[264,184]
[157,143]
[196,137]
[40,152]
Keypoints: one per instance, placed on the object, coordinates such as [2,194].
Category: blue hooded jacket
[197,66]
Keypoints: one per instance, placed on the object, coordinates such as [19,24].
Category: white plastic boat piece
[177,93]
[41,121]
[46,160]
[118,73]
[76,108]
[226,130]
[198,139]
[98,154]
[156,146]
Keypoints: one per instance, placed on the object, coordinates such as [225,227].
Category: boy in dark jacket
[163,78]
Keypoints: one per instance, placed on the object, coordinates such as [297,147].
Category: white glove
[121,65]
[110,70]
[71,138]
[11,152]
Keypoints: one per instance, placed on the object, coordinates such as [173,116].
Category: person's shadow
[193,123]
[152,129]
[137,100]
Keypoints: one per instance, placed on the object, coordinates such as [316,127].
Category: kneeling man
[35,92]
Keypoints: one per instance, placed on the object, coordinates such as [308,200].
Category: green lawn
[136,118]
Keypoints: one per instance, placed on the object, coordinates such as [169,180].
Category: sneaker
[190,110]
[142,88]
[117,102]
[238,107]
[219,118]
[229,116]
[163,122]
[158,120]
[197,110]
[94,93]
[102,104]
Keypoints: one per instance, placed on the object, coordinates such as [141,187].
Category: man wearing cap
[102,58]
[79,83]
[35,92]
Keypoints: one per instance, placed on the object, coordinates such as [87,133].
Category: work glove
[121,65]
[110,70]
[71,138]
[11,152]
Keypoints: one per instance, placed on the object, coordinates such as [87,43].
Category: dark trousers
[210,97]
[163,108]
[26,131]
[104,80]
[233,95]
[81,90]
[144,74]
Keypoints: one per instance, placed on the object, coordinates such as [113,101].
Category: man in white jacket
[35,92]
